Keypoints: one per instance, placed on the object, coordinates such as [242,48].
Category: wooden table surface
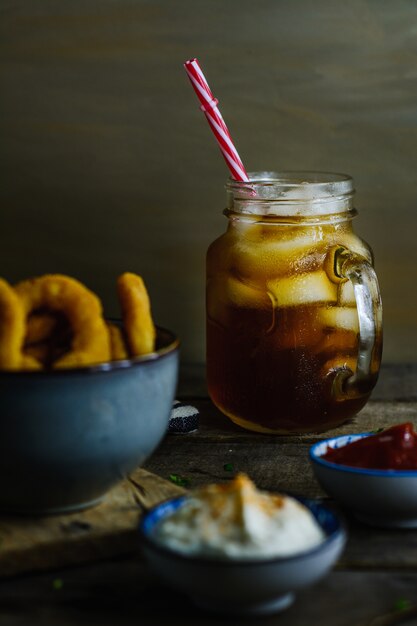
[372,584]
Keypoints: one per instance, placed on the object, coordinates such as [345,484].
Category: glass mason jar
[294,315]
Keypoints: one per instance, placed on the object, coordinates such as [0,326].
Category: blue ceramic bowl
[385,498]
[242,587]
[67,436]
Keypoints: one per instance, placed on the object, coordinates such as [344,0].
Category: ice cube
[271,251]
[225,291]
[346,295]
[304,198]
[303,289]
[244,295]
[338,317]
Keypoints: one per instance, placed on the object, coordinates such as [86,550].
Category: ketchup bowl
[379,497]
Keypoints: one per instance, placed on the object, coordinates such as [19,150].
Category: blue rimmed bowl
[386,498]
[67,436]
[242,587]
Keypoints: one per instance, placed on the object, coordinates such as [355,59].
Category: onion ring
[117,343]
[38,351]
[90,343]
[39,327]
[136,313]
[12,331]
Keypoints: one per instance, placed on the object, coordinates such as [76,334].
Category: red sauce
[394,448]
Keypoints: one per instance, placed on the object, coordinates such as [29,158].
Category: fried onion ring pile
[55,322]
[48,336]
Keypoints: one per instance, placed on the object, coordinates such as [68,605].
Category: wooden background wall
[106,163]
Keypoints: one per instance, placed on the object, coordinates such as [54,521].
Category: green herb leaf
[181,481]
[378,430]
[228,467]
[57,584]
[402,604]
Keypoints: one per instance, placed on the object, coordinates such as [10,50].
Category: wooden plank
[273,466]
[275,463]
[214,426]
[28,544]
[378,548]
[126,593]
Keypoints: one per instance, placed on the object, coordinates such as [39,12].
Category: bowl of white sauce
[233,549]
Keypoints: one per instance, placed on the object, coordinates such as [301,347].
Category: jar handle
[354,267]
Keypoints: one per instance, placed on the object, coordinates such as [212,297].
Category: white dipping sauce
[238,521]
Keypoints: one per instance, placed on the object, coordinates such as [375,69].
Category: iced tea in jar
[294,316]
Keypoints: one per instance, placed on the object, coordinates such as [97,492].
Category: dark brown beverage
[281,323]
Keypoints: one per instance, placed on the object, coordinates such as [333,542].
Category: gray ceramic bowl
[242,587]
[67,436]
[385,498]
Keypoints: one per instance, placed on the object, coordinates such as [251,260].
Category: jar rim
[320,180]
[291,192]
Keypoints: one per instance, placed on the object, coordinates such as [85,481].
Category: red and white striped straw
[214,118]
